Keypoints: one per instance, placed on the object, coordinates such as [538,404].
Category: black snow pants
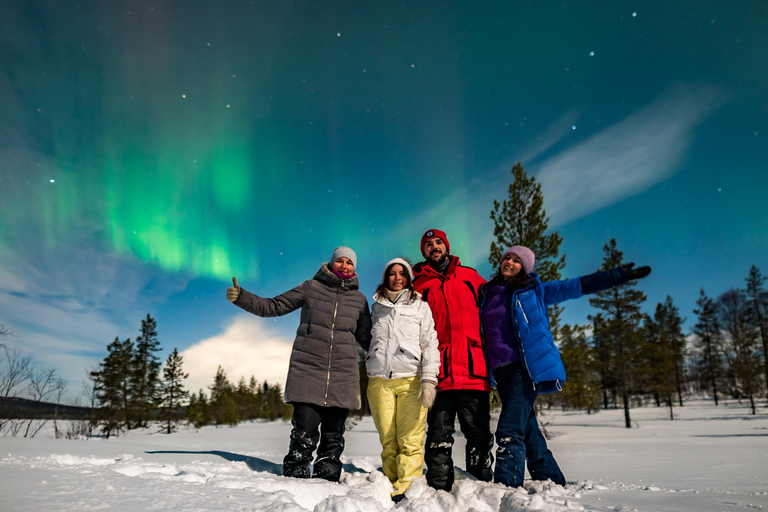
[473,409]
[312,423]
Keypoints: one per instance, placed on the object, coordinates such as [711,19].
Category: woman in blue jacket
[524,358]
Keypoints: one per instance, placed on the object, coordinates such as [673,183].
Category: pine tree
[522,220]
[619,327]
[709,342]
[173,392]
[745,366]
[223,407]
[112,385]
[583,386]
[666,352]
[254,402]
[145,380]
[198,413]
[757,305]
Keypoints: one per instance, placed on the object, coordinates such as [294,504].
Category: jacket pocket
[476,359]
[444,362]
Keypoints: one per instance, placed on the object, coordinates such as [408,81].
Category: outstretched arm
[606,279]
[264,307]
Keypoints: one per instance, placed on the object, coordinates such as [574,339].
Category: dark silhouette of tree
[757,305]
[742,339]
[666,352]
[172,388]
[709,342]
[222,404]
[145,372]
[618,327]
[112,381]
[583,385]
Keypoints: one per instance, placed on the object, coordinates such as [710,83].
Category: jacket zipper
[330,349]
[520,339]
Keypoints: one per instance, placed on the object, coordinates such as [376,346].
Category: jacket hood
[325,276]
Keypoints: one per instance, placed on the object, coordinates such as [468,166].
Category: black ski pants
[474,411]
[312,423]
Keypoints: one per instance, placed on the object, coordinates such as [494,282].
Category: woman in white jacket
[402,365]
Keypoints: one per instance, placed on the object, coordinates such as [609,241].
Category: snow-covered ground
[708,459]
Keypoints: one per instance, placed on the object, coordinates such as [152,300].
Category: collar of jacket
[325,276]
[384,300]
[426,269]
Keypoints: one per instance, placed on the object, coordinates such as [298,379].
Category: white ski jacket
[404,339]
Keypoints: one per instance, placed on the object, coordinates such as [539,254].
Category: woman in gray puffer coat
[323,378]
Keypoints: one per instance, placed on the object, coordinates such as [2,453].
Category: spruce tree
[709,342]
[522,220]
[173,392]
[757,305]
[112,385]
[223,407]
[583,385]
[145,380]
[666,352]
[745,366]
[618,327]
[198,413]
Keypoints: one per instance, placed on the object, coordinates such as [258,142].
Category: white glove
[427,393]
[233,292]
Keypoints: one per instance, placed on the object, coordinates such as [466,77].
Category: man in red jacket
[451,290]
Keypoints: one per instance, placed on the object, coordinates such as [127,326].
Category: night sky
[149,152]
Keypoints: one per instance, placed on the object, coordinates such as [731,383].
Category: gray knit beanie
[344,252]
[527,258]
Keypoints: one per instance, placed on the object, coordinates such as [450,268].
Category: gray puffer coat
[334,320]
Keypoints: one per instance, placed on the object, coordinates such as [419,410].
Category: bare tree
[43,385]
[16,367]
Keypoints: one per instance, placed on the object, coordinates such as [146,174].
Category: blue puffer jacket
[531,333]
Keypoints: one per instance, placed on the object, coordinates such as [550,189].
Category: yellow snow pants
[401,421]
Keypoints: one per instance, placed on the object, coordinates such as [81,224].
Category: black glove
[635,273]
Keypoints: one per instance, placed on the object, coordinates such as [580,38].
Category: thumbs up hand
[233,292]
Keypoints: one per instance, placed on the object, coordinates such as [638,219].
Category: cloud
[246,347]
[618,162]
[626,158]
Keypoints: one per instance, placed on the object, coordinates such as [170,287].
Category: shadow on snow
[253,463]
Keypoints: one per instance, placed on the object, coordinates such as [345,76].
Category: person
[402,366]
[523,356]
[452,291]
[323,381]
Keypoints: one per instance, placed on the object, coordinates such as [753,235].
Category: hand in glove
[233,292]
[427,393]
[635,273]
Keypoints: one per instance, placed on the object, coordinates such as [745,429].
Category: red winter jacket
[453,299]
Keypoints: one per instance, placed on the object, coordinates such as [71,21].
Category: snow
[710,458]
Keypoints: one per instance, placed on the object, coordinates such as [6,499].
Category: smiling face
[343,265]
[397,278]
[511,266]
[435,249]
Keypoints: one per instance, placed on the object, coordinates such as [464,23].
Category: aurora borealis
[150,151]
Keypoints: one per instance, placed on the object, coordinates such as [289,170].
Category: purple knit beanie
[527,258]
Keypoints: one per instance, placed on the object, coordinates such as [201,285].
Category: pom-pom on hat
[344,252]
[432,233]
[527,258]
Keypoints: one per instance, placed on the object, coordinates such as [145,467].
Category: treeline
[625,357]
[130,391]
[229,404]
